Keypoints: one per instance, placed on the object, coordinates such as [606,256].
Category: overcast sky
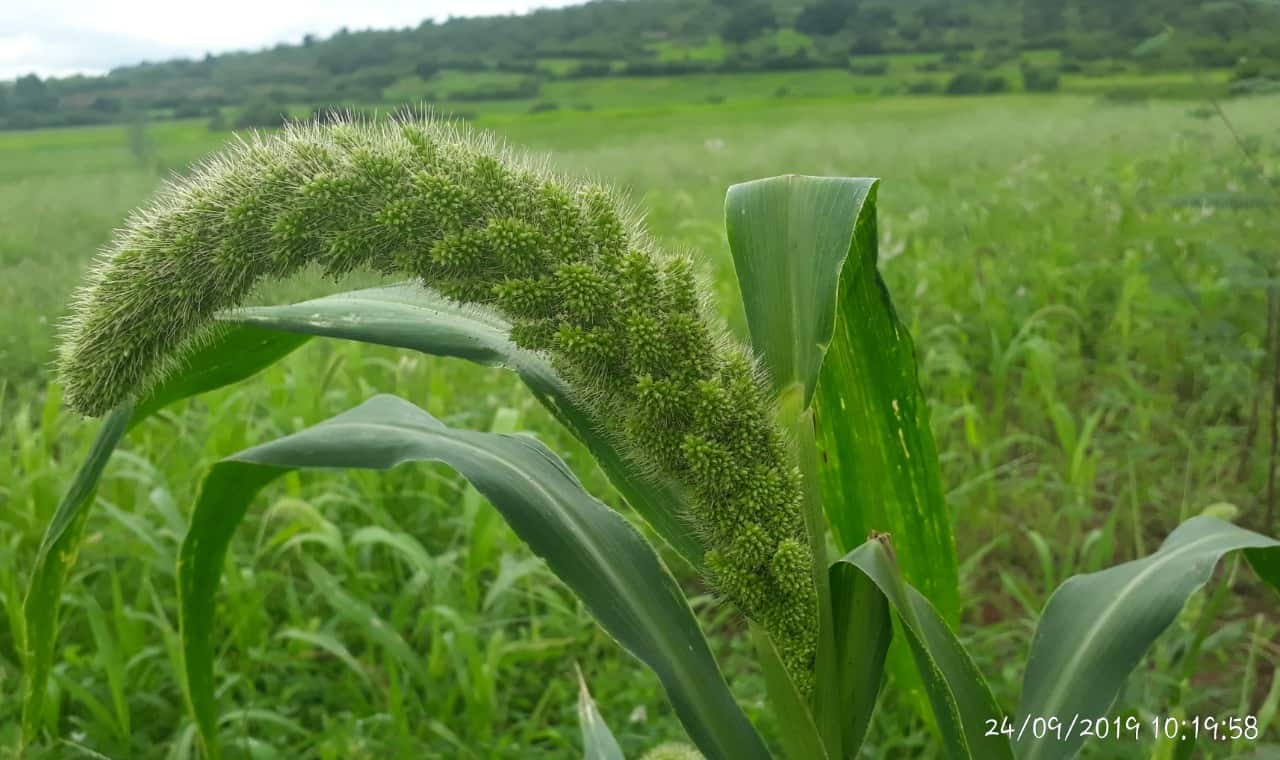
[61,37]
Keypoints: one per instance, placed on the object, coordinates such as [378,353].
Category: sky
[63,37]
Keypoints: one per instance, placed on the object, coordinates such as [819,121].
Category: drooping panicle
[579,280]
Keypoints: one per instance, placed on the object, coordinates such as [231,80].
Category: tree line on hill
[621,38]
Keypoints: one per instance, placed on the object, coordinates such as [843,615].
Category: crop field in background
[1085,283]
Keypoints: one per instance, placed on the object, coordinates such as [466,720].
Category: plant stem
[799,424]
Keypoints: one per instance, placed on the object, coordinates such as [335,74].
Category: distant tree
[944,15]
[105,104]
[910,33]
[867,43]
[1107,15]
[32,94]
[748,21]
[1224,20]
[1038,79]
[260,113]
[1043,18]
[825,17]
[965,83]
[350,52]
[876,18]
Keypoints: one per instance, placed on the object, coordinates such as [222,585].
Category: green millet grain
[576,275]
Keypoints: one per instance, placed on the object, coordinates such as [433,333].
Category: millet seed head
[572,270]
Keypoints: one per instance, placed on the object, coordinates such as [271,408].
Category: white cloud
[61,37]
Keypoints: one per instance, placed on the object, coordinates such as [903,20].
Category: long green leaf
[597,740]
[407,316]
[590,547]
[865,630]
[1096,627]
[962,703]
[54,559]
[804,249]
[237,353]
[790,237]
[798,732]
[805,253]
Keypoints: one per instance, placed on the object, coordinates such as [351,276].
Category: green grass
[456,91]
[1091,351]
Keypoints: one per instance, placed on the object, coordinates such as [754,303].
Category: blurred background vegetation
[880,47]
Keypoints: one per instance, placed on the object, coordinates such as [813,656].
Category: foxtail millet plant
[579,279]
[633,349]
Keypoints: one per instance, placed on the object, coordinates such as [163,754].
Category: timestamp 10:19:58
[1207,727]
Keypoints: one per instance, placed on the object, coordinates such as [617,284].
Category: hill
[512,57]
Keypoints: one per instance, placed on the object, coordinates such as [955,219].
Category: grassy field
[903,74]
[1091,337]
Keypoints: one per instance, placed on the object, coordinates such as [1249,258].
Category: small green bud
[646,348]
[534,334]
[584,292]
[609,232]
[584,351]
[461,253]
[527,298]
[679,286]
[517,246]
[451,204]
[790,564]
[560,221]
[639,286]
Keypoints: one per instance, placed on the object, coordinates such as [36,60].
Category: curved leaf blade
[789,244]
[863,631]
[56,555]
[1096,627]
[800,737]
[408,316]
[961,700]
[805,249]
[237,353]
[591,548]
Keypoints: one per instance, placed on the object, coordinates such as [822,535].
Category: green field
[903,74]
[1090,331]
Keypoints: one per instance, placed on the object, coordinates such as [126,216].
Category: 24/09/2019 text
[1207,727]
